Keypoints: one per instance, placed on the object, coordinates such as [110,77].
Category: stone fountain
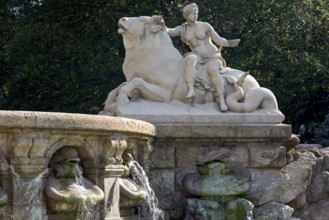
[219,148]
[69,166]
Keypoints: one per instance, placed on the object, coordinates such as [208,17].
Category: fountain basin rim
[69,121]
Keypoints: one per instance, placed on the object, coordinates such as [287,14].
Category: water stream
[86,210]
[28,198]
[148,208]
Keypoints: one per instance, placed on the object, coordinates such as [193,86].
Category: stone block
[187,113]
[308,146]
[314,211]
[225,131]
[20,146]
[174,204]
[299,202]
[163,156]
[238,159]
[281,185]
[233,156]
[179,176]
[242,174]
[162,182]
[267,156]
[3,143]
[273,210]
[14,119]
[186,156]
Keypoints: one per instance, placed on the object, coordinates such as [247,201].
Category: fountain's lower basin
[28,141]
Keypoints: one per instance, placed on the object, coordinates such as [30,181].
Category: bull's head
[136,29]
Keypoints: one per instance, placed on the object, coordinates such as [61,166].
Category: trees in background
[58,55]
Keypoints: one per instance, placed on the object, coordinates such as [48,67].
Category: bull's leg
[147,90]
[151,91]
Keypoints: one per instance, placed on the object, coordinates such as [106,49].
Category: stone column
[27,170]
[112,191]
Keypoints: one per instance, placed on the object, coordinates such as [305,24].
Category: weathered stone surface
[315,211]
[174,204]
[273,210]
[282,185]
[179,176]
[226,131]
[308,146]
[186,156]
[3,168]
[178,112]
[204,209]
[267,156]
[191,142]
[3,196]
[290,142]
[233,157]
[163,157]
[212,180]
[238,158]
[325,164]
[79,122]
[319,186]
[162,182]
[299,202]
[239,209]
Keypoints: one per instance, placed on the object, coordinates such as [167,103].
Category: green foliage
[322,133]
[58,55]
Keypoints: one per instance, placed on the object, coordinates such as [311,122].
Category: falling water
[149,209]
[86,210]
[29,196]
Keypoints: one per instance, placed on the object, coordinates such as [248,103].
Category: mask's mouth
[73,160]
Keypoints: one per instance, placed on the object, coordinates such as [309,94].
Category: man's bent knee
[190,60]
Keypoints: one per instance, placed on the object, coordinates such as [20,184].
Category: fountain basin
[28,141]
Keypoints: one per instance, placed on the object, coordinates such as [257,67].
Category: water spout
[67,190]
[27,196]
[149,207]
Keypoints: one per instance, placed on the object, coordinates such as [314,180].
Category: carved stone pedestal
[112,191]
[245,148]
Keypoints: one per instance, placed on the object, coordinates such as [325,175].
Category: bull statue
[154,68]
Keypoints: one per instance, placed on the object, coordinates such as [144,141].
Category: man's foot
[190,94]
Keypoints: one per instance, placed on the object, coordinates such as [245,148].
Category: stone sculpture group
[234,165]
[156,71]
